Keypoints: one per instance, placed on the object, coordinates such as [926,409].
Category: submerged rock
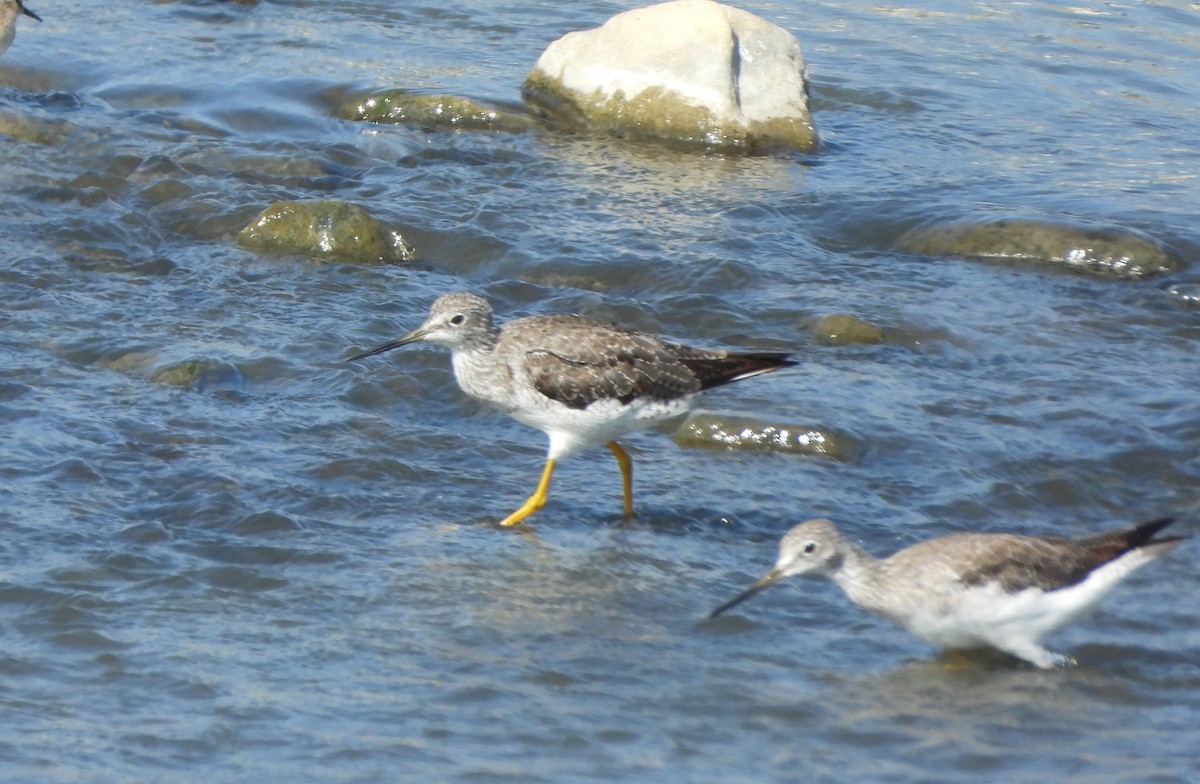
[188,374]
[708,429]
[689,72]
[843,329]
[1103,251]
[438,112]
[1186,293]
[33,130]
[325,231]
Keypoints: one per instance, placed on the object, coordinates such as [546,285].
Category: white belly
[989,616]
[571,430]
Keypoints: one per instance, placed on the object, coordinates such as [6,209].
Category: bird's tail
[1138,537]
[715,371]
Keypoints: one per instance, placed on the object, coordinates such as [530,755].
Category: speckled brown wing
[1019,562]
[1049,563]
[579,361]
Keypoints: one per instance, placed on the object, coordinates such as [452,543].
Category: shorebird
[974,590]
[9,11]
[581,381]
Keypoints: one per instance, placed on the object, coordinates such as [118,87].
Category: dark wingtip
[757,363]
[1145,532]
[737,366]
[779,358]
[1110,544]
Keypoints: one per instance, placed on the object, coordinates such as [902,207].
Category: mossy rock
[687,73]
[659,115]
[324,231]
[1102,251]
[32,130]
[843,329]
[188,374]
[436,112]
[715,430]
[184,374]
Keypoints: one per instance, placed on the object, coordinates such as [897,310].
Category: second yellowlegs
[581,381]
[974,590]
[9,11]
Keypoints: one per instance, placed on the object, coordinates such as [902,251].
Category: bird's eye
[458,319]
[810,547]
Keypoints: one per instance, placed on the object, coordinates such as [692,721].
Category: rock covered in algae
[33,130]
[186,374]
[688,72]
[325,231]
[438,112]
[709,429]
[843,329]
[1102,251]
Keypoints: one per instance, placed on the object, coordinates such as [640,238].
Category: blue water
[228,555]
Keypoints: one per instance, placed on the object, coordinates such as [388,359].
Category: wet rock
[1186,293]
[709,429]
[1102,251]
[432,112]
[285,164]
[33,130]
[325,231]
[134,363]
[843,329]
[184,374]
[188,374]
[689,72]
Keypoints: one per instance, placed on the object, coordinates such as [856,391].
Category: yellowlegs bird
[973,590]
[9,11]
[580,381]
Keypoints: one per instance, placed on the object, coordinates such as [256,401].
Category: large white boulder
[694,72]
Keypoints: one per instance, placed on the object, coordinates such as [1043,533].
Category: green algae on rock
[33,130]
[692,73]
[185,374]
[843,329]
[325,231]
[446,112]
[710,429]
[1097,250]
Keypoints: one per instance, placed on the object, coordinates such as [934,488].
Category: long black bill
[27,12]
[411,337]
[769,579]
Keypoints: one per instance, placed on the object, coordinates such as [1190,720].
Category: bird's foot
[527,508]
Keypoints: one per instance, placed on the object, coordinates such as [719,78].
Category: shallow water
[227,554]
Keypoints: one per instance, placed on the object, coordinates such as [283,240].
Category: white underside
[572,430]
[569,429]
[1016,623]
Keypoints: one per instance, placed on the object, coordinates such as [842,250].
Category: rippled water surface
[228,555]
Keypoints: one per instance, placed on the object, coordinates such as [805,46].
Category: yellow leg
[626,474]
[535,501]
